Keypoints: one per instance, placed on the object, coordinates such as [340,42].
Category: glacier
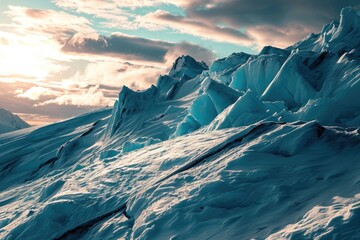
[262,146]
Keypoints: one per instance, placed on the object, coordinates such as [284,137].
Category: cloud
[36,115]
[11,78]
[35,93]
[54,48]
[31,42]
[248,22]
[113,13]
[91,97]
[134,48]
[245,22]
[201,29]
[109,11]
[56,24]
[185,48]
[33,58]
[89,6]
[110,76]
[4,41]
[245,13]
[42,65]
[119,45]
[279,37]
[275,22]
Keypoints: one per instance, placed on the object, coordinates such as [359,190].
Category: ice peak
[128,103]
[239,54]
[268,50]
[233,61]
[130,100]
[348,12]
[349,19]
[188,61]
[186,66]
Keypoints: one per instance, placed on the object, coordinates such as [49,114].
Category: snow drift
[260,146]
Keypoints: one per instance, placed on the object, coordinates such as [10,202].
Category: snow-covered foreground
[236,183]
[255,147]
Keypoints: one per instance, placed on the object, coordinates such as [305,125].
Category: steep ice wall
[142,114]
[257,74]
[166,85]
[247,110]
[336,104]
[222,69]
[129,103]
[220,94]
[335,37]
[233,60]
[300,78]
[213,98]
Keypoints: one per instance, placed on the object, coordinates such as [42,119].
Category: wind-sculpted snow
[33,153]
[257,147]
[206,185]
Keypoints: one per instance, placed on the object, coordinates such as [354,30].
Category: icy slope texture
[222,69]
[257,73]
[206,185]
[336,37]
[10,122]
[256,147]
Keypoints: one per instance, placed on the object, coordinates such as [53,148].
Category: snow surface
[10,122]
[260,146]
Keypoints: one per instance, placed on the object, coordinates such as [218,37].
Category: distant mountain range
[10,122]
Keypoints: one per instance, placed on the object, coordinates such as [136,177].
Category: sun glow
[29,59]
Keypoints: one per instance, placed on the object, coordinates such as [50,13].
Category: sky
[61,58]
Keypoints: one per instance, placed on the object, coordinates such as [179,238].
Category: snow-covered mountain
[260,146]
[10,122]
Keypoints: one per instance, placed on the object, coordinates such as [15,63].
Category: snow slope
[10,122]
[260,146]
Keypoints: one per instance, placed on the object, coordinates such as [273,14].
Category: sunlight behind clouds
[32,58]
